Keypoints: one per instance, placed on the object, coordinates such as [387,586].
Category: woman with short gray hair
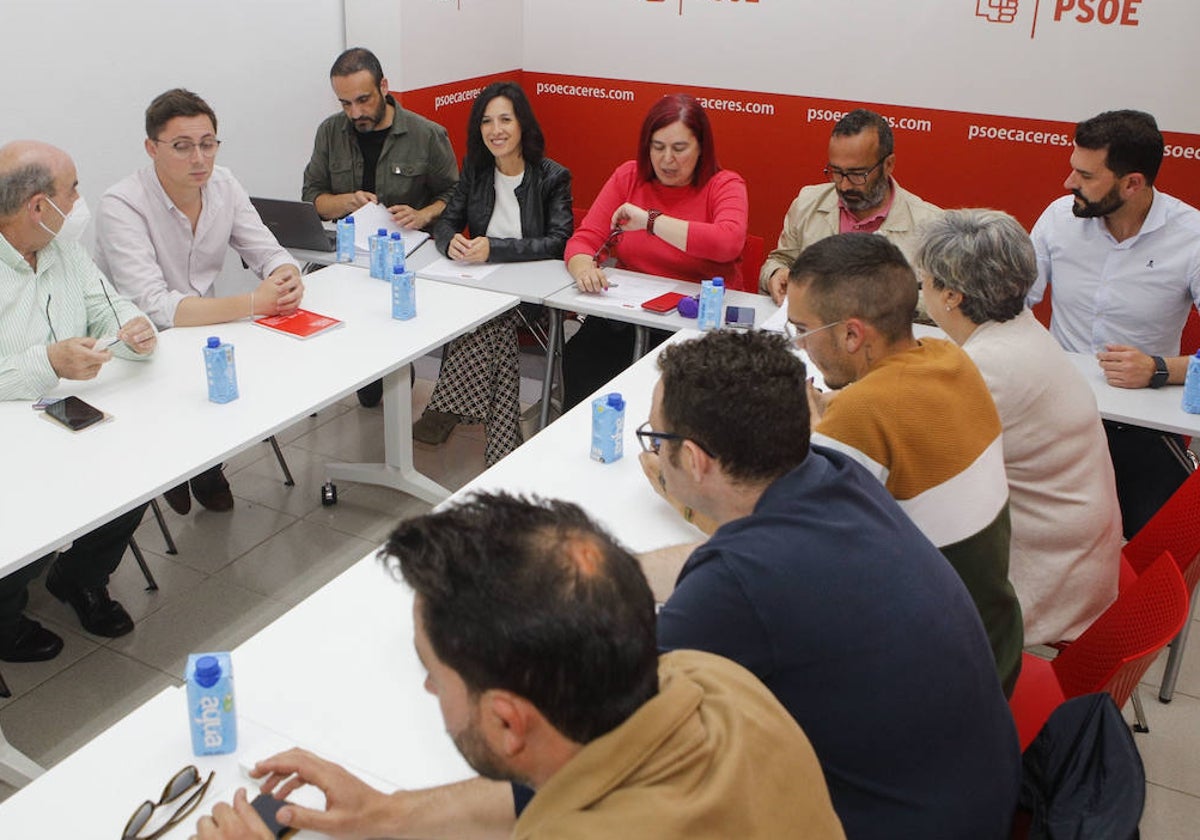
[975,268]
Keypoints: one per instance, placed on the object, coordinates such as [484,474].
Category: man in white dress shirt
[163,233]
[1122,261]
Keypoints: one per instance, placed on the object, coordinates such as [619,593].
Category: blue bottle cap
[349,220]
[615,401]
[208,671]
[396,235]
[717,281]
[213,341]
[397,270]
[382,232]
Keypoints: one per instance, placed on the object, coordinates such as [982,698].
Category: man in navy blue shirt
[815,580]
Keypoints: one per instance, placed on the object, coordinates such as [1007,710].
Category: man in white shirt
[1122,261]
[54,305]
[162,235]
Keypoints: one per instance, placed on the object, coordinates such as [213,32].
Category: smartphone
[74,413]
[739,317]
[267,806]
[663,303]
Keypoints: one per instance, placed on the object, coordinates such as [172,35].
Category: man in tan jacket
[861,197]
[538,635]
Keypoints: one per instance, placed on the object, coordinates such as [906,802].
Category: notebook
[300,324]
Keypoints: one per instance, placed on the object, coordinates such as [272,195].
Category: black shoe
[179,498]
[97,611]
[370,395]
[212,490]
[29,642]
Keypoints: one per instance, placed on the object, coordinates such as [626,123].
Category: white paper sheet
[628,291]
[453,270]
[369,218]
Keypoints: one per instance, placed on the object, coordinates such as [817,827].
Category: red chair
[1111,655]
[1175,528]
[752,260]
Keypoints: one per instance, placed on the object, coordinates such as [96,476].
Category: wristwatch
[1161,374]
[650,218]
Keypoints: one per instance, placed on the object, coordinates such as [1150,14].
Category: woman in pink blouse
[678,214]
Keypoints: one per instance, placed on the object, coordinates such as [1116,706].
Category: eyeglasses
[180,783]
[116,317]
[605,252]
[857,177]
[184,149]
[798,334]
[652,441]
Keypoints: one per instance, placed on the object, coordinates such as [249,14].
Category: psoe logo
[996,11]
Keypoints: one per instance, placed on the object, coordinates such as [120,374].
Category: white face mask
[74,223]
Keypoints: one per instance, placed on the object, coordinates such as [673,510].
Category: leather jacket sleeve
[454,217]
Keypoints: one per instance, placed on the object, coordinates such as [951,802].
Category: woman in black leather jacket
[516,205]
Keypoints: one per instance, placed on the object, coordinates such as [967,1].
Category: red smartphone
[663,303]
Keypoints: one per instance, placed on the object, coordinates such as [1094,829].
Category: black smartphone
[74,413]
[267,805]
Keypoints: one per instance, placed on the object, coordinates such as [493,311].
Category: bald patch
[26,152]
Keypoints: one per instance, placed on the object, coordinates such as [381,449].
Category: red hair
[672,108]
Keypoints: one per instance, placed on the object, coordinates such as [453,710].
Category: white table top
[165,429]
[1151,408]
[556,463]
[532,282]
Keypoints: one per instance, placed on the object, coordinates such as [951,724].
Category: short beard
[861,201]
[1110,203]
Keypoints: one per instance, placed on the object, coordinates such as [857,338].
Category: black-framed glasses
[798,334]
[605,252]
[184,149]
[857,177]
[652,441]
[181,783]
[107,297]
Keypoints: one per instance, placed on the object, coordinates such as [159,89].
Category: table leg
[553,353]
[16,768]
[641,336]
[397,471]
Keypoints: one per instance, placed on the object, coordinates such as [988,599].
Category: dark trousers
[1149,467]
[88,562]
[598,352]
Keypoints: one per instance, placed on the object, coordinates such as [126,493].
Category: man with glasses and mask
[54,306]
[920,417]
[1122,261]
[163,233]
[375,151]
[861,197]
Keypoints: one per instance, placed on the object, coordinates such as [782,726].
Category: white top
[506,215]
[145,244]
[1137,292]
[1066,524]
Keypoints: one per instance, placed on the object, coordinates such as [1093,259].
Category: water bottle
[345,240]
[712,299]
[395,253]
[379,255]
[404,294]
[220,371]
[1191,386]
[608,428]
[211,713]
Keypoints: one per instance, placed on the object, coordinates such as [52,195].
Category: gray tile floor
[237,572]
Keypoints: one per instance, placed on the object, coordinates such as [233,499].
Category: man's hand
[233,822]
[353,809]
[630,217]
[475,250]
[76,358]
[290,288]
[777,286]
[139,335]
[818,402]
[353,201]
[410,218]
[1126,367]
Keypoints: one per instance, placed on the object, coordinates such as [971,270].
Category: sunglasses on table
[181,783]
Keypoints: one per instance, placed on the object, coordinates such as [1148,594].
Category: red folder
[300,324]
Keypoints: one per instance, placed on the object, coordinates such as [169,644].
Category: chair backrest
[752,260]
[1175,528]
[1117,649]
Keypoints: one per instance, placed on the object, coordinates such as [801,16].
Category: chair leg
[5,691]
[162,526]
[151,583]
[16,768]
[1175,658]
[1138,712]
[287,474]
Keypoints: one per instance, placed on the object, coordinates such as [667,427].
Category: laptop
[295,224]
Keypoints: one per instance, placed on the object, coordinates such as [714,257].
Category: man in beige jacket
[861,197]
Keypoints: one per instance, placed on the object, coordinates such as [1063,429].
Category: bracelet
[651,217]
